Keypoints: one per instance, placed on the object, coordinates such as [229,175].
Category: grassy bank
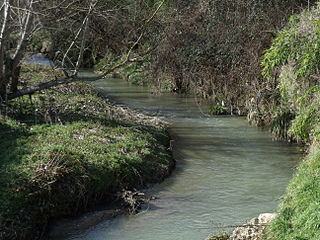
[299,213]
[66,149]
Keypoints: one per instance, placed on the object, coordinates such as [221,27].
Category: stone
[253,229]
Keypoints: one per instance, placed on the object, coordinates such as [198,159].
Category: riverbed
[227,171]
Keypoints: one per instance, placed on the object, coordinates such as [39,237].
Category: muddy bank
[128,202]
[66,226]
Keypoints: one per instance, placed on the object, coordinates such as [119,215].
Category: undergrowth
[220,236]
[134,72]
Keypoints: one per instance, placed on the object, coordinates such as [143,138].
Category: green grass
[299,213]
[64,151]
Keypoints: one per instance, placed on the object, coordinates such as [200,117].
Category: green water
[227,172]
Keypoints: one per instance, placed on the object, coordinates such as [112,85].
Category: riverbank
[293,60]
[69,141]
[298,215]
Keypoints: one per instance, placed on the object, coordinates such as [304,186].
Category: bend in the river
[226,172]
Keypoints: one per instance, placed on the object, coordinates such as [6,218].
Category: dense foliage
[293,60]
[69,140]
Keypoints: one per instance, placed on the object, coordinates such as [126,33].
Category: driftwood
[132,200]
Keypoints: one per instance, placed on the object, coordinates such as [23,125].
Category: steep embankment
[293,61]
[66,149]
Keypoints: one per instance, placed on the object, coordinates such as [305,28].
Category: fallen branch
[46,85]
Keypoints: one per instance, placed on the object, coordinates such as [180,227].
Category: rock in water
[254,229]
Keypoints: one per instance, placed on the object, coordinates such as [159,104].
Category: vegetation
[69,141]
[126,31]
[293,62]
[298,216]
[220,236]
[213,49]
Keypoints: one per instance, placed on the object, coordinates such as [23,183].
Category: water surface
[39,59]
[226,172]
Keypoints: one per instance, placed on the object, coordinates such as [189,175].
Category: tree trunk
[15,74]
[3,52]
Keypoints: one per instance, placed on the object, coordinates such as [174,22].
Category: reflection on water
[226,172]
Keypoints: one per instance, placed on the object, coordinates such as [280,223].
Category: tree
[79,20]
[16,27]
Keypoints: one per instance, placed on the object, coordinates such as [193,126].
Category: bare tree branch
[74,78]
[24,32]
[73,42]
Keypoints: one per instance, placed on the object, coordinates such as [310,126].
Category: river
[227,171]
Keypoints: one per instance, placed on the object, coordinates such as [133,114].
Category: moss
[68,141]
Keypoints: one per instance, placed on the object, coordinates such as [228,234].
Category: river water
[227,172]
